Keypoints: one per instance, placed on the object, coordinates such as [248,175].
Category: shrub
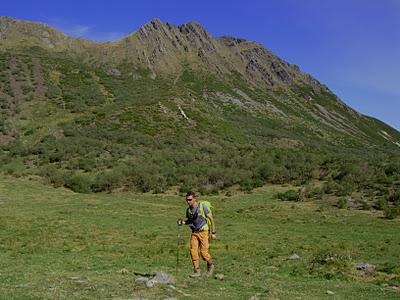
[55,176]
[184,188]
[107,181]
[365,205]
[391,212]
[381,204]
[394,196]
[330,187]
[345,188]
[26,89]
[392,169]
[250,184]
[15,168]
[341,203]
[208,190]
[315,192]
[80,183]
[290,195]
[87,163]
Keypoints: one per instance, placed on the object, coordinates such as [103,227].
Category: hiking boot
[210,270]
[196,273]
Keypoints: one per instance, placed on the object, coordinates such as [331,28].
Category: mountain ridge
[157,38]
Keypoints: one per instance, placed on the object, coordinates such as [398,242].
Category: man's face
[190,200]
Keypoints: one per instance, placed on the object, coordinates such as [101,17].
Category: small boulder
[163,278]
[157,278]
[366,267]
[113,72]
[141,279]
[293,257]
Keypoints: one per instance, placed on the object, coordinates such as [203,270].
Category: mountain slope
[169,105]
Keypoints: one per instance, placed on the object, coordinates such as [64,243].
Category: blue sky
[351,46]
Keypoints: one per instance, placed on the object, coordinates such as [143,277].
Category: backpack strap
[201,209]
[202,213]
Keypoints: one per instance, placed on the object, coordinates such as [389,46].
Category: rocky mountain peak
[162,48]
[189,36]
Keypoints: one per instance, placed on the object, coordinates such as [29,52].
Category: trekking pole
[177,251]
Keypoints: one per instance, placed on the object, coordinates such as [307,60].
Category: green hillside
[99,117]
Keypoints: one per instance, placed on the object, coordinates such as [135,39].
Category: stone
[141,279]
[330,292]
[113,72]
[150,283]
[293,257]
[163,278]
[219,276]
[366,267]
[158,278]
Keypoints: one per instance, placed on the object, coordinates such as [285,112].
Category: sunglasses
[189,199]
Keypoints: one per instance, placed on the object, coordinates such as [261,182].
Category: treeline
[88,165]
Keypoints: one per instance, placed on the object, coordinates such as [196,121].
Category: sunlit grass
[56,244]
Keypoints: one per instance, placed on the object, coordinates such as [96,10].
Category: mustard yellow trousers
[199,244]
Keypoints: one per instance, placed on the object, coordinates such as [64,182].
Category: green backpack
[210,209]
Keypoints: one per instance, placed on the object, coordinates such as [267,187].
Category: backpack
[210,209]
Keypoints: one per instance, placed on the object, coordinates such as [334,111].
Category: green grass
[56,244]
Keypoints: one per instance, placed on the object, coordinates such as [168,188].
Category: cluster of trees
[89,165]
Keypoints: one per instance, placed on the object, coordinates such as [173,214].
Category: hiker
[197,215]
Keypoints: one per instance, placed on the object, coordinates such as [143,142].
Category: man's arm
[213,229]
[183,222]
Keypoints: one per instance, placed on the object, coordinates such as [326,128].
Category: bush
[107,181]
[391,212]
[80,183]
[250,184]
[392,169]
[208,190]
[341,203]
[394,196]
[345,188]
[290,195]
[365,205]
[184,188]
[330,187]
[55,176]
[87,163]
[15,168]
[381,204]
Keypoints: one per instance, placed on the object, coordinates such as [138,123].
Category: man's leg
[204,246]
[194,253]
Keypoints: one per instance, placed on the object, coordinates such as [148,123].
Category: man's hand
[181,222]
[213,236]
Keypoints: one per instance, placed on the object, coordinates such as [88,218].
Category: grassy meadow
[57,244]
